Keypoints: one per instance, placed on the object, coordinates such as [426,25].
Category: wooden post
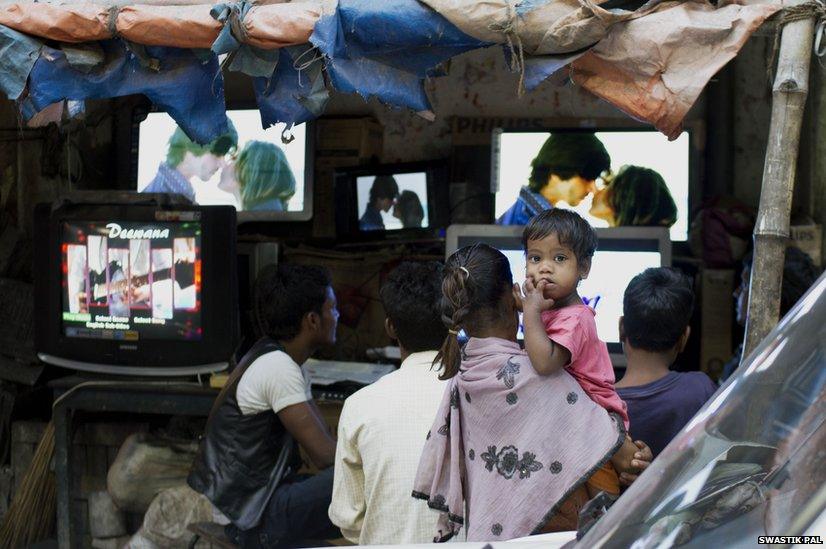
[771,233]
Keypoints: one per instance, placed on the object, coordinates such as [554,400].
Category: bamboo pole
[771,233]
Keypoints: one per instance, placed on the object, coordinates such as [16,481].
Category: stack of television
[148,288]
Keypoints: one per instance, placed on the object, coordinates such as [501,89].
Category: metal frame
[167,398]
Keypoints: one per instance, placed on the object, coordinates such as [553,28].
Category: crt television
[263,178]
[388,199]
[136,289]
[622,253]
[513,152]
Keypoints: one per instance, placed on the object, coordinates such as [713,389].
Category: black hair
[568,155]
[384,186]
[476,280]
[639,197]
[799,273]
[410,207]
[656,309]
[284,294]
[411,296]
[570,229]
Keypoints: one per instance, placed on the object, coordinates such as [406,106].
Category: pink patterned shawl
[509,446]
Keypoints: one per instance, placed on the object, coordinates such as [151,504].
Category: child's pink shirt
[574,328]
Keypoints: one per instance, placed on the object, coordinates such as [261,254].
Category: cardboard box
[716,319]
[809,238]
[340,143]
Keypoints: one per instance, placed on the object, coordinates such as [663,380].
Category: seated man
[267,396]
[382,427]
[654,329]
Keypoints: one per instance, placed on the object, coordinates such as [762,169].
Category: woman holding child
[523,438]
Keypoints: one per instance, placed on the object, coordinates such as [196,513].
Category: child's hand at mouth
[536,295]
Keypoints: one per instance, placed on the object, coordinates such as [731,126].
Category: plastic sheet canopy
[650,59]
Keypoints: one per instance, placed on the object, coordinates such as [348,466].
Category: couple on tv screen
[257,177]
[390,205]
[565,172]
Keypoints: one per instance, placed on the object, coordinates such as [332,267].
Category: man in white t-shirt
[383,427]
[244,462]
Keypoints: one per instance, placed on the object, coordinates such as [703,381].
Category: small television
[263,178]
[136,289]
[514,151]
[622,253]
[391,199]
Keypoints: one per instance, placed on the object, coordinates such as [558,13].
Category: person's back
[382,427]
[654,329]
[661,408]
[392,417]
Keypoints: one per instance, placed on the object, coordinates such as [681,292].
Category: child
[654,330]
[560,331]
[516,453]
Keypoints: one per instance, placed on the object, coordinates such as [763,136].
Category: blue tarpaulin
[386,49]
[18,54]
[289,95]
[185,85]
[375,49]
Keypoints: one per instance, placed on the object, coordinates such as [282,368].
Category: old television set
[391,199]
[622,253]
[136,289]
[675,161]
[263,178]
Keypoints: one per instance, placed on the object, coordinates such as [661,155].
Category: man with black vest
[246,462]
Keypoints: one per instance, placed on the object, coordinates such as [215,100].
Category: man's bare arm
[305,424]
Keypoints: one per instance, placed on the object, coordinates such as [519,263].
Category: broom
[31,515]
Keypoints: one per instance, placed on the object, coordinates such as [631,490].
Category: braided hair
[476,281]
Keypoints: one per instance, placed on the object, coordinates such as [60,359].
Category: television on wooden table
[137,289]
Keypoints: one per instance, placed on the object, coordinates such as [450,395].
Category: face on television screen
[132,281]
[611,271]
[390,202]
[642,181]
[248,168]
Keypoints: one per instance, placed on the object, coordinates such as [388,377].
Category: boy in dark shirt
[654,329]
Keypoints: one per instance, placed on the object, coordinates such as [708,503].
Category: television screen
[515,154]
[131,281]
[135,287]
[392,201]
[255,172]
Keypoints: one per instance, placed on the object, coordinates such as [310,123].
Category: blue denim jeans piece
[296,515]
